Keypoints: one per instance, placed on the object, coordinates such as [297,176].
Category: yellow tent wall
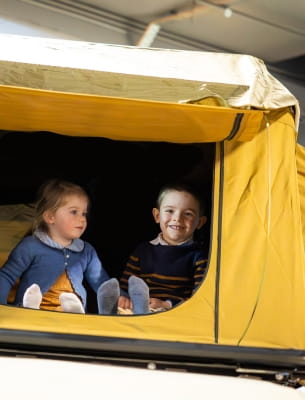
[253,294]
[300,157]
[254,291]
[261,282]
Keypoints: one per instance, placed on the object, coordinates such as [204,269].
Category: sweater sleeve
[95,274]
[18,261]
[200,267]
[132,268]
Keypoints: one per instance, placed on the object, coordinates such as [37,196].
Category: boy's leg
[107,297]
[32,297]
[71,303]
[139,295]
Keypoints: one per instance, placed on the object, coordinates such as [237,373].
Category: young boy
[165,271]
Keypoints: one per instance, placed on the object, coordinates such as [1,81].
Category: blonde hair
[52,195]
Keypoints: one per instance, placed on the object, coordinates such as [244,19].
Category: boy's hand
[157,303]
[124,302]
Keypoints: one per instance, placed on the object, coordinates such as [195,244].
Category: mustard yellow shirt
[50,300]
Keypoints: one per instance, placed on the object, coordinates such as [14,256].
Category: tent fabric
[254,290]
[262,264]
[300,162]
[88,115]
[142,73]
[255,273]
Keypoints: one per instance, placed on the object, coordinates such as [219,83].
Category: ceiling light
[228,12]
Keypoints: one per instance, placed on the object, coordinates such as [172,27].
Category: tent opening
[122,179]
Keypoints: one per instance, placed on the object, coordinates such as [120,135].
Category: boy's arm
[200,268]
[132,268]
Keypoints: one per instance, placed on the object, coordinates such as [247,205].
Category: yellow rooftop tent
[254,291]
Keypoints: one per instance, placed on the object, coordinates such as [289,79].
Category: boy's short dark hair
[181,187]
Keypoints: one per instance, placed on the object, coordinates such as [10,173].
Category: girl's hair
[52,195]
[180,187]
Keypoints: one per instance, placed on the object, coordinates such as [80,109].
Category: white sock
[71,303]
[32,297]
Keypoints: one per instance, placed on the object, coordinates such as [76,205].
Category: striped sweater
[171,272]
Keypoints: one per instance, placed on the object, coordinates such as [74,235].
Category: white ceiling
[273,30]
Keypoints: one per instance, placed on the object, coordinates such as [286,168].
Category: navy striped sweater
[171,272]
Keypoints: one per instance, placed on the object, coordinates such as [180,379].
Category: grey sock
[107,297]
[139,295]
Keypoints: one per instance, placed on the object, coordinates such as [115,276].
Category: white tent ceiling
[273,30]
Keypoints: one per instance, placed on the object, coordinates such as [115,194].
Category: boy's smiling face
[179,216]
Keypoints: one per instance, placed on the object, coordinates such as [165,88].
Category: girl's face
[69,221]
[179,217]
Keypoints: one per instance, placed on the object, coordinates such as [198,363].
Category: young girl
[52,263]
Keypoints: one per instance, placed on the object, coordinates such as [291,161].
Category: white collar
[76,245]
[159,240]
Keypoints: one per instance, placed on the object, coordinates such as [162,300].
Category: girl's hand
[157,303]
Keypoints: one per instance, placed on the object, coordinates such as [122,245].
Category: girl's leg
[32,297]
[139,295]
[107,297]
[71,303]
